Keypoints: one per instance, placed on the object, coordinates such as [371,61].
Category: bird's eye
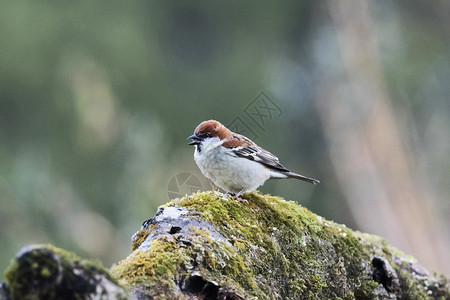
[204,135]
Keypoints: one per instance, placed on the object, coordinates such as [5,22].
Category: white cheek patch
[210,143]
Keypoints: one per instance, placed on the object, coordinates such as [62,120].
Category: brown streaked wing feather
[252,152]
[238,140]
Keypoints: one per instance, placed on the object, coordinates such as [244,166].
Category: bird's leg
[237,196]
[213,186]
[229,194]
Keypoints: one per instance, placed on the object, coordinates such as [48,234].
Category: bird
[233,162]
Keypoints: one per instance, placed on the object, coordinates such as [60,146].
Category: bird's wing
[245,148]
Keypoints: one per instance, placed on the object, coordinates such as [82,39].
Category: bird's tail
[301,177]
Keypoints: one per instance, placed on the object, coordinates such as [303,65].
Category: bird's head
[208,130]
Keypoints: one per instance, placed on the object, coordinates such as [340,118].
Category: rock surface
[47,272]
[208,246]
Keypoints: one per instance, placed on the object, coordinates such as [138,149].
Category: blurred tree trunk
[369,157]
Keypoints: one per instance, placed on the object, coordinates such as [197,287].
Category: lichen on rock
[210,246]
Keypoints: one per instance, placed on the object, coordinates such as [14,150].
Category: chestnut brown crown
[213,128]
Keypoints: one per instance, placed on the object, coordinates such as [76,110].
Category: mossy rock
[209,246]
[47,272]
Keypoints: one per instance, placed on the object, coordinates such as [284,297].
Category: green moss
[275,249]
[140,237]
[70,259]
[158,263]
[413,287]
[155,270]
[44,264]
[289,236]
[366,290]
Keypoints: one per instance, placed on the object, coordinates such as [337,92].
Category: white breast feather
[226,170]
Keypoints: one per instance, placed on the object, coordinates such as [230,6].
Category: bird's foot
[238,197]
[230,194]
[213,186]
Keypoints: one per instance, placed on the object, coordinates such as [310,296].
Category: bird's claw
[236,196]
[241,200]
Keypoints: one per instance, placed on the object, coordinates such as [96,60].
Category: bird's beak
[196,139]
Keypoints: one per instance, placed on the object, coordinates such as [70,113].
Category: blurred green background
[97,99]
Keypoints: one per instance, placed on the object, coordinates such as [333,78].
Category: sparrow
[233,162]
